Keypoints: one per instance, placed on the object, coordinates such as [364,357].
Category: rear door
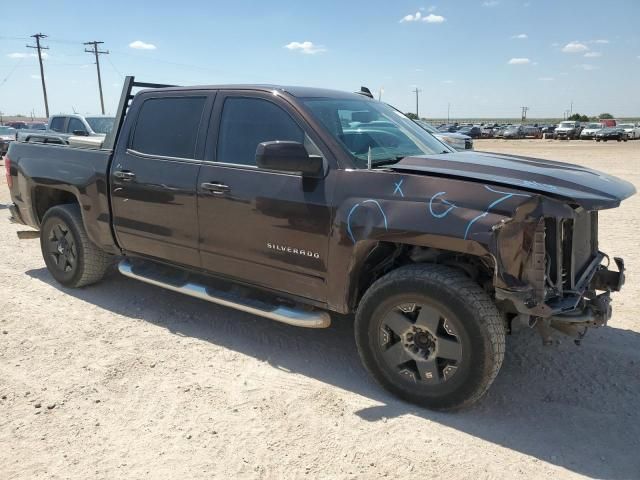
[260,226]
[154,174]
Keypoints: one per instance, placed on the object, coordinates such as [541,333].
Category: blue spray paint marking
[398,188]
[446,202]
[506,196]
[354,208]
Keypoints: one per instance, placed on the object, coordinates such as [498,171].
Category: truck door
[154,174]
[262,227]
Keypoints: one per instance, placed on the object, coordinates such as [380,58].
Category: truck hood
[588,188]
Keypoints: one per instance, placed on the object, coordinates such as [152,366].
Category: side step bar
[279,313]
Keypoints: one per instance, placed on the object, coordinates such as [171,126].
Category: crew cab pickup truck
[292,202]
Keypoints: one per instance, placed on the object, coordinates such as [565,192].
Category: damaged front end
[551,274]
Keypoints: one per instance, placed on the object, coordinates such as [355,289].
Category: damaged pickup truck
[291,202]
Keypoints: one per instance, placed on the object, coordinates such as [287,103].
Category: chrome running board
[279,313]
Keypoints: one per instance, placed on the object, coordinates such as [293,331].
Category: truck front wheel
[430,335]
[71,258]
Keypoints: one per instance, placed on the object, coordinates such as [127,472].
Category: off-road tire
[463,304]
[90,263]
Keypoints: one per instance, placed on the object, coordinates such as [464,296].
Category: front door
[262,227]
[153,179]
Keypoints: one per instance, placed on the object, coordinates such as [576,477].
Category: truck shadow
[575,407]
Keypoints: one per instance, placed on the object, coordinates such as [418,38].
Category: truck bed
[79,171]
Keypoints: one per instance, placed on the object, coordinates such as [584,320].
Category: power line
[97,52]
[39,47]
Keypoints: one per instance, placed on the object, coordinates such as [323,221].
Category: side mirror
[288,156]
[81,133]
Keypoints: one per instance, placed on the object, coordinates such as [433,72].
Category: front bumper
[584,307]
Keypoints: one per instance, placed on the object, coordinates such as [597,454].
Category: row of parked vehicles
[567,130]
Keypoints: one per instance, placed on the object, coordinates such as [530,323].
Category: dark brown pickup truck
[291,202]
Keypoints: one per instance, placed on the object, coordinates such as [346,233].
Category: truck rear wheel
[71,258]
[430,335]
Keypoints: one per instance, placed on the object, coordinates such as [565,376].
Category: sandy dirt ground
[126,380]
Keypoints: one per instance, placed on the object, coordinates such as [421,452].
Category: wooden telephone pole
[39,47]
[97,52]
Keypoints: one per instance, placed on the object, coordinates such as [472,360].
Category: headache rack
[125,100]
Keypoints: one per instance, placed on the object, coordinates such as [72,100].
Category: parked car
[548,131]
[633,131]
[455,140]
[531,131]
[498,132]
[471,131]
[7,135]
[614,133]
[568,131]
[487,132]
[16,125]
[265,203]
[62,127]
[589,131]
[513,132]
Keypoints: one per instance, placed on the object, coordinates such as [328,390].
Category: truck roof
[295,91]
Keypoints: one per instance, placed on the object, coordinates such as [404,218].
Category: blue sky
[484,57]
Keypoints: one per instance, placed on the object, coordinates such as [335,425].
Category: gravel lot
[125,380]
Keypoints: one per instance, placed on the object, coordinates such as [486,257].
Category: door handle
[215,188]
[125,175]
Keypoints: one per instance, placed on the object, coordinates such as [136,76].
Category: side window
[168,126]
[246,122]
[57,124]
[75,124]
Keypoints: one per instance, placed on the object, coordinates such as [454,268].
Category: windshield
[626,125]
[38,126]
[567,125]
[427,126]
[373,130]
[7,131]
[594,125]
[101,124]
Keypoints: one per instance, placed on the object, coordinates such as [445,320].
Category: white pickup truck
[79,130]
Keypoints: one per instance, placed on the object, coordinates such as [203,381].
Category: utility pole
[97,52]
[571,108]
[448,112]
[524,113]
[39,47]
[417,91]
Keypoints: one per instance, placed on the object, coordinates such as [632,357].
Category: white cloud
[575,47]
[432,8]
[490,3]
[587,66]
[519,61]
[417,17]
[602,41]
[546,79]
[411,18]
[431,18]
[593,54]
[140,45]
[521,36]
[308,48]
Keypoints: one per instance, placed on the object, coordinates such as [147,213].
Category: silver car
[456,140]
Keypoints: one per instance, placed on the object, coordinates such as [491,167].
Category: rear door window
[57,124]
[168,126]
